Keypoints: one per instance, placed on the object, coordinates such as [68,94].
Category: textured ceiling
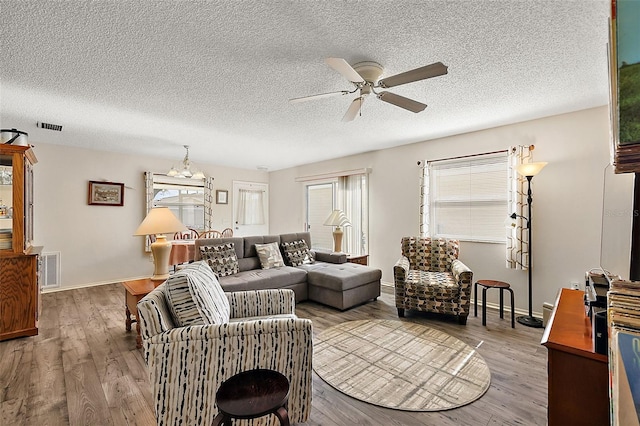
[150,76]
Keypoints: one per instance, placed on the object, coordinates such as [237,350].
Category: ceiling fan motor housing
[370,71]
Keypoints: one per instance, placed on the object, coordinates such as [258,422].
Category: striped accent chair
[235,332]
[430,277]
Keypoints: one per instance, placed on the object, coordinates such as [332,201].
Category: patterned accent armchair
[188,364]
[430,277]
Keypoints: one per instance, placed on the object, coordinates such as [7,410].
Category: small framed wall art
[106,193]
[222,196]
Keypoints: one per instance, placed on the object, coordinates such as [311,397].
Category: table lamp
[159,221]
[338,219]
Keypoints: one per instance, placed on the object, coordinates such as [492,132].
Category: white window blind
[468,198]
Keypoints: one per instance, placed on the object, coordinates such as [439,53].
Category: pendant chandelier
[186,169]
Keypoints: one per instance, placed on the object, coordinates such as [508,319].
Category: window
[466,198]
[189,199]
[186,202]
[348,193]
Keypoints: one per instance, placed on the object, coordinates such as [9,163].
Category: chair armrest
[401,269]
[461,272]
[330,257]
[241,331]
[464,277]
[261,302]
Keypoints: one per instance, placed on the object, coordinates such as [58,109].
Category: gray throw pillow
[195,297]
[297,253]
[269,255]
[221,258]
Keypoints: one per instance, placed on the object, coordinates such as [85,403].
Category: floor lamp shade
[160,221]
[338,219]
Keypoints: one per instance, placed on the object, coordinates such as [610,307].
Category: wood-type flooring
[83,368]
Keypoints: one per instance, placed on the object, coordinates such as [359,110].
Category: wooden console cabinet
[578,376]
[19,260]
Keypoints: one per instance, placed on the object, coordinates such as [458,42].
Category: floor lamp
[529,170]
[159,221]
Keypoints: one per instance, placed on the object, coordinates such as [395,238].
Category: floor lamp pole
[530,320]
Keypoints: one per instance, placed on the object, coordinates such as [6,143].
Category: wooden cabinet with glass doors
[19,260]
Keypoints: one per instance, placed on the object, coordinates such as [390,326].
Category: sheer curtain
[517,238]
[352,200]
[250,207]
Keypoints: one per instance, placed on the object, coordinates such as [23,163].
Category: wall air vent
[49,126]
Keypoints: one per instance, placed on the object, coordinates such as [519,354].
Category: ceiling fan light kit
[365,76]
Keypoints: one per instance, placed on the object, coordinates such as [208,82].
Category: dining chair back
[210,234]
[189,234]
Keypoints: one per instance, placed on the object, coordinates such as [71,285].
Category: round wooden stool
[487,284]
[252,394]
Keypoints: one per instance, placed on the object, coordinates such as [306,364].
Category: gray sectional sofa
[330,280]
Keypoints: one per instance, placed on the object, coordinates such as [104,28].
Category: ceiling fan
[365,76]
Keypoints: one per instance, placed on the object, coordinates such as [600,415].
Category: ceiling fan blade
[354,109]
[401,101]
[345,69]
[318,96]
[422,73]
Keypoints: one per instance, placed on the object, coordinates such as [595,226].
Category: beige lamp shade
[159,221]
[337,218]
[530,169]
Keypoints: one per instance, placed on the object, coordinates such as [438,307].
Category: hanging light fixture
[186,169]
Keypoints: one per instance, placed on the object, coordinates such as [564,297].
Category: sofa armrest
[261,302]
[330,257]
[187,365]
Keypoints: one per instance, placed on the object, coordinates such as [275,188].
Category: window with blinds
[468,198]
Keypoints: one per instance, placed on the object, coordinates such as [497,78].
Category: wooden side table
[252,394]
[361,259]
[135,290]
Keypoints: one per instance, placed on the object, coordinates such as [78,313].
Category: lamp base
[337,240]
[161,250]
[530,321]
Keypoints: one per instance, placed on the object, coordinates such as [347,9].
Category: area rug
[400,365]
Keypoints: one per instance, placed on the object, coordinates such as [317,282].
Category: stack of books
[623,300]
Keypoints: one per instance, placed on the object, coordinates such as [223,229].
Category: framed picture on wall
[222,196]
[106,193]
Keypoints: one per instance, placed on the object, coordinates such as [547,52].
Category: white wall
[96,242]
[567,199]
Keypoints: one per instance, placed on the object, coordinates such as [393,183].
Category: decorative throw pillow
[195,296]
[297,253]
[221,258]
[269,255]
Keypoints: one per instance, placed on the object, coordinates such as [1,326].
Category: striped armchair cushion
[196,298]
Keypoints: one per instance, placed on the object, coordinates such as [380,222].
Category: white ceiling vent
[49,126]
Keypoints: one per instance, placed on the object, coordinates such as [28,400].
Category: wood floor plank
[47,403]
[83,368]
[85,397]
